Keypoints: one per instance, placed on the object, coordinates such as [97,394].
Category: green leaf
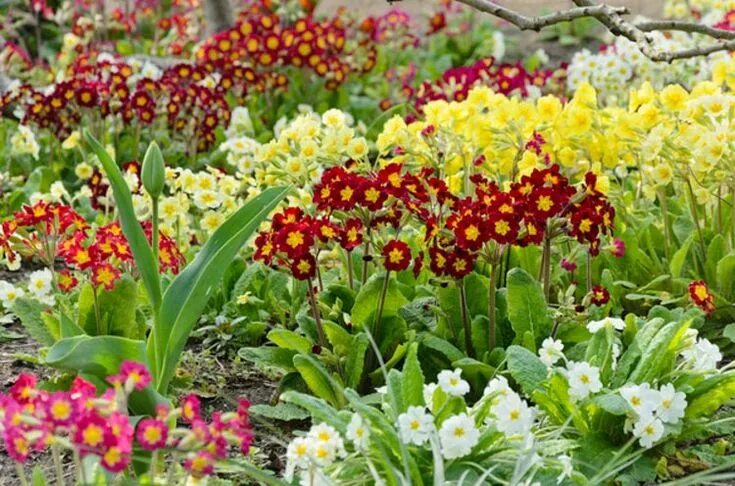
[281,411]
[679,258]
[715,252]
[320,410]
[38,478]
[30,312]
[726,277]
[600,351]
[270,357]
[316,378]
[366,301]
[188,294]
[117,309]
[526,368]
[413,378]
[147,267]
[444,347]
[659,356]
[355,363]
[612,403]
[729,332]
[527,310]
[286,339]
[98,355]
[710,395]
[395,390]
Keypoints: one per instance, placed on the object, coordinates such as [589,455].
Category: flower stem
[491,290]
[97,313]
[154,230]
[546,267]
[465,319]
[695,218]
[315,311]
[667,225]
[21,474]
[57,464]
[350,276]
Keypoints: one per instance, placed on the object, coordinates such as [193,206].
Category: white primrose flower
[672,404]
[513,416]
[415,425]
[358,432]
[648,429]
[458,435]
[641,398]
[608,322]
[583,379]
[551,351]
[39,282]
[703,356]
[298,452]
[328,444]
[498,385]
[452,383]
[9,294]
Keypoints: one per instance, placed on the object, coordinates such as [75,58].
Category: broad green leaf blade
[316,378]
[527,310]
[413,378]
[131,228]
[30,312]
[97,355]
[526,368]
[189,293]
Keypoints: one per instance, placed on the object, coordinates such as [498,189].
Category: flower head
[458,435]
[415,425]
[451,383]
[583,379]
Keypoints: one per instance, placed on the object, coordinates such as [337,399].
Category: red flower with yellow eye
[503,228]
[469,232]
[352,234]
[544,202]
[396,255]
[289,215]
[265,248]
[105,275]
[327,230]
[460,264]
[701,296]
[303,267]
[600,295]
[294,239]
[66,281]
[152,434]
[371,195]
[438,261]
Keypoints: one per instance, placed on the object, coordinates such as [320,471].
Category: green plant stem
[546,267]
[381,305]
[315,311]
[732,215]
[57,464]
[589,272]
[667,226]
[154,230]
[97,313]
[465,319]
[365,256]
[350,276]
[21,474]
[491,291]
[695,218]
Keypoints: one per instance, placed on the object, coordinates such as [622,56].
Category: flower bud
[153,172]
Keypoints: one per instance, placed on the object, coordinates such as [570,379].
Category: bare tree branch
[524,22]
[613,19]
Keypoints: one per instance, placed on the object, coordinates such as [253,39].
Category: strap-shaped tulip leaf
[147,266]
[189,293]
[98,355]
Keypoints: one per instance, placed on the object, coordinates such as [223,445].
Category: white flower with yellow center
[583,379]
[608,322]
[207,199]
[83,171]
[39,283]
[452,383]
[415,425]
[9,294]
[513,416]
[458,435]
[672,404]
[649,430]
[641,398]
[358,432]
[551,351]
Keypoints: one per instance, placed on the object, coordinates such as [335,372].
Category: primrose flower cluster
[51,231]
[350,205]
[33,420]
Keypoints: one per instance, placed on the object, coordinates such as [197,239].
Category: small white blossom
[358,432]
[458,435]
[648,429]
[608,322]
[498,385]
[452,383]
[641,398]
[39,283]
[672,404]
[513,416]
[9,294]
[583,379]
[551,351]
[703,356]
[415,425]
